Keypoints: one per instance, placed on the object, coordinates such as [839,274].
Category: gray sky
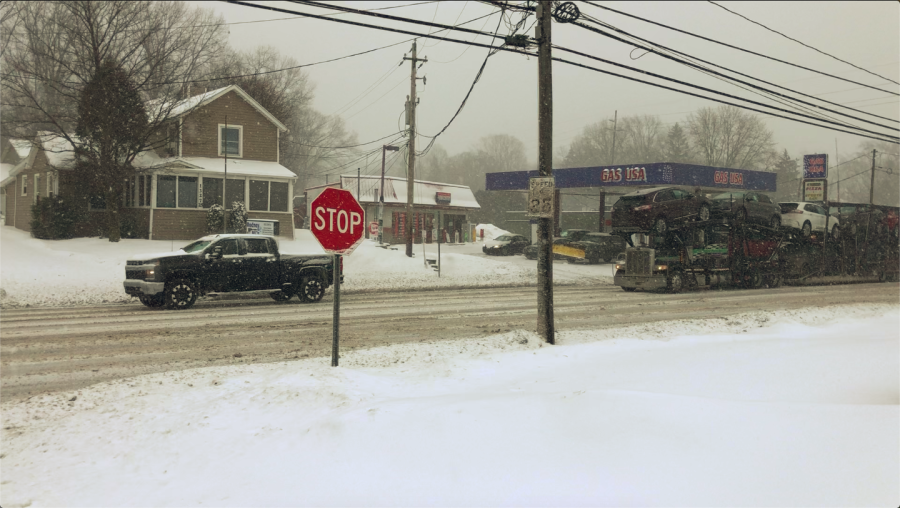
[505,99]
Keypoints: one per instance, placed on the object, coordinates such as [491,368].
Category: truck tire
[704,212]
[152,301]
[180,294]
[312,289]
[675,281]
[628,289]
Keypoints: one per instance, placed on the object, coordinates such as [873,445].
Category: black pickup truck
[227,263]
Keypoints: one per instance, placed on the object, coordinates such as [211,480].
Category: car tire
[675,282]
[280,296]
[628,289]
[704,213]
[806,230]
[180,294]
[754,280]
[312,289]
[836,233]
[659,225]
[775,223]
[153,301]
[571,261]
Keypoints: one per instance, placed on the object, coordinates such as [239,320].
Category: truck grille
[135,274]
[637,262]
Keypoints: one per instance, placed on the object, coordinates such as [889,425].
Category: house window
[24,185]
[37,187]
[268,196]
[259,195]
[129,193]
[143,190]
[172,139]
[235,192]
[212,192]
[51,184]
[176,192]
[231,140]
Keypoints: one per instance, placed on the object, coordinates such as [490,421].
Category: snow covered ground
[86,271]
[793,408]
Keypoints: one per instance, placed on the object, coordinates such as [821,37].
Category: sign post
[337,224]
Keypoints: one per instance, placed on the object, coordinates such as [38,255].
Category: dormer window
[231,139]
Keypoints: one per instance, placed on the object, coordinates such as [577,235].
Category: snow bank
[793,408]
[88,271]
[490,231]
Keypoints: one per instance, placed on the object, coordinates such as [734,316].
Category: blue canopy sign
[641,175]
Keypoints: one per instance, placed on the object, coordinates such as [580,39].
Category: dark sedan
[747,207]
[657,209]
[505,245]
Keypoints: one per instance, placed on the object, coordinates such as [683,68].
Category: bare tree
[641,140]
[59,47]
[729,137]
[593,147]
[855,175]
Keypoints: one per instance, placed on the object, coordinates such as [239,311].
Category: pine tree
[677,146]
[111,129]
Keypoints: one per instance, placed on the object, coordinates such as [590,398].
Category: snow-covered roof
[61,155]
[425,192]
[5,170]
[236,167]
[21,146]
[185,106]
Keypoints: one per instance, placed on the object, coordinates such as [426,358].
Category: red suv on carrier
[657,209]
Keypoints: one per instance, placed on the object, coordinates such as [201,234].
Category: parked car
[809,217]
[227,263]
[658,209]
[592,248]
[505,245]
[531,251]
[747,207]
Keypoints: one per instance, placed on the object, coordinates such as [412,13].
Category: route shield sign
[337,221]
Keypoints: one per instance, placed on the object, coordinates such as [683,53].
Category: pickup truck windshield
[196,246]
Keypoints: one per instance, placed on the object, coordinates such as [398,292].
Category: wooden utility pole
[545,324]
[411,167]
[872,181]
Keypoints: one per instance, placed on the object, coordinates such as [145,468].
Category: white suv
[809,217]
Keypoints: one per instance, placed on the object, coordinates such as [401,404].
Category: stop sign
[337,221]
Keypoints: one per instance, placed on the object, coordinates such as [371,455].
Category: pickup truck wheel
[312,289]
[152,301]
[180,294]
[280,296]
[628,289]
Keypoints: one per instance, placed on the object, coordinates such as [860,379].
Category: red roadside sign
[337,221]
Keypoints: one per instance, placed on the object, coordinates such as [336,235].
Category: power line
[714,99]
[296,17]
[736,47]
[340,147]
[593,20]
[801,43]
[703,88]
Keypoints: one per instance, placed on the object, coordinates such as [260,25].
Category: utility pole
[872,182]
[384,148]
[615,128]
[837,163]
[545,324]
[411,168]
[225,182]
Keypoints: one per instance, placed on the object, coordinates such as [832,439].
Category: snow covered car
[227,263]
[505,245]
[809,217]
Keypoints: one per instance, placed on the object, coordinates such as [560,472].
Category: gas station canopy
[641,175]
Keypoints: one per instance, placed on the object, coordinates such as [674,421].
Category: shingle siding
[200,135]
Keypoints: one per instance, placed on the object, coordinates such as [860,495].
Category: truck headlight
[661,267]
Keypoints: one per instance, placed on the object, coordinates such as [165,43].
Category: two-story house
[222,146]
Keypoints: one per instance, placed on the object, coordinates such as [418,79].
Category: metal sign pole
[335,329]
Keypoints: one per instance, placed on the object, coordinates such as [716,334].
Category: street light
[384,149]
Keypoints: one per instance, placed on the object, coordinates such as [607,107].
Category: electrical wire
[714,99]
[339,147]
[596,21]
[735,47]
[801,43]
[648,73]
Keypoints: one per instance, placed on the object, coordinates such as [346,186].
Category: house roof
[21,146]
[236,167]
[187,105]
[424,192]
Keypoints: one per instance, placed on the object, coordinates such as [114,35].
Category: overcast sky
[504,101]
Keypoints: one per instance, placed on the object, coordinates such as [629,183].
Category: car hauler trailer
[719,253]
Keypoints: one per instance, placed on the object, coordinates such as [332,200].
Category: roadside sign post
[337,223]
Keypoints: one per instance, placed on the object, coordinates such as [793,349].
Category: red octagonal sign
[337,221]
